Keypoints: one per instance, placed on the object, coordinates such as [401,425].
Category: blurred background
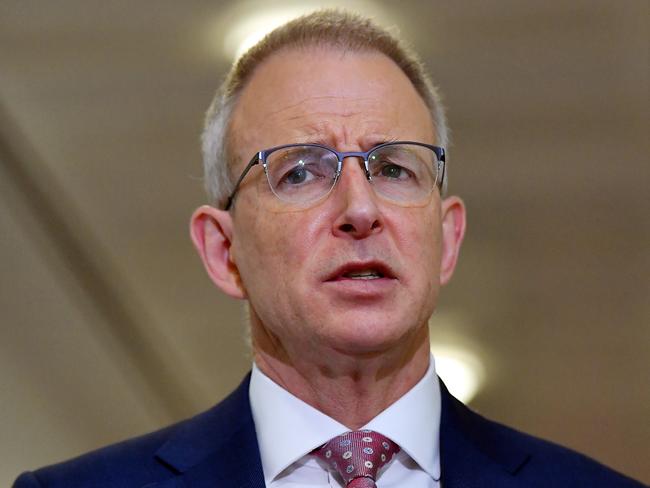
[109,326]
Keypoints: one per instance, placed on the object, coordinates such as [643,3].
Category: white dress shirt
[288,429]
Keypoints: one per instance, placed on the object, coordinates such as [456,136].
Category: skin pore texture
[348,347]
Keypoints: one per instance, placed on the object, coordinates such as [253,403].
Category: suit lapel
[216,448]
[219,448]
[475,452]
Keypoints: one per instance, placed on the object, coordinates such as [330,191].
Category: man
[325,163]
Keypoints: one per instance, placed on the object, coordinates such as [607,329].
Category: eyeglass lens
[400,172]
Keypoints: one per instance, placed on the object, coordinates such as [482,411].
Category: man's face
[302,268]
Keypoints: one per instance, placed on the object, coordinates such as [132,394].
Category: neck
[352,389]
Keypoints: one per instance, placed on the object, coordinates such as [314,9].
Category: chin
[371,337]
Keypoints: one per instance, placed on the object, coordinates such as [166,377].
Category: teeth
[363,275]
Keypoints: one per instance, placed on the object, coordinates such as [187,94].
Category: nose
[358,215]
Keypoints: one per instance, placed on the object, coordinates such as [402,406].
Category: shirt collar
[413,422]
[288,428]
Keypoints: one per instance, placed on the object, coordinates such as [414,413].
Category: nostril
[347,228]
[375,224]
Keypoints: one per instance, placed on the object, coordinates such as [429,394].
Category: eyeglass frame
[261,156]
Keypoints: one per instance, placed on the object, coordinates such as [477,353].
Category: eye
[302,173]
[297,168]
[397,164]
[393,171]
[298,175]
[389,170]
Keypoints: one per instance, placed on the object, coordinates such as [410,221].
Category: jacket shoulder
[127,463]
[150,458]
[564,466]
[547,462]
[473,446]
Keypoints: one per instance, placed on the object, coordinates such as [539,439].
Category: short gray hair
[329,27]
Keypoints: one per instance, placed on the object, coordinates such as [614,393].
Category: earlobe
[212,234]
[453,231]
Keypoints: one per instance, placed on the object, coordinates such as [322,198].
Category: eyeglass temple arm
[255,160]
[442,159]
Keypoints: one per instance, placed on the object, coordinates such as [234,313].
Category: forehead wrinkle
[341,115]
[322,98]
[325,133]
[334,127]
[297,111]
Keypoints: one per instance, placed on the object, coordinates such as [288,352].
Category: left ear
[453,230]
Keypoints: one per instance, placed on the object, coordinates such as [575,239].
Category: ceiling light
[254,21]
[254,27]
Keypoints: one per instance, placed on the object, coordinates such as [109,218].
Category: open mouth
[367,274]
[362,272]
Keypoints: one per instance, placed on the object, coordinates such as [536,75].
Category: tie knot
[358,454]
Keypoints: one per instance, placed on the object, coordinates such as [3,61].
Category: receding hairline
[306,47]
[330,26]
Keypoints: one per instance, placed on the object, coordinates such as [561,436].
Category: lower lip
[362,287]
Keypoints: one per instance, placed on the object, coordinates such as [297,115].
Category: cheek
[419,241]
[432,252]
[275,267]
[274,248]
[287,241]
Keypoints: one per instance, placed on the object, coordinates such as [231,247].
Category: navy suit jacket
[218,449]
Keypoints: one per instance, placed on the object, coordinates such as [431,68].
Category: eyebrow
[383,139]
[368,142]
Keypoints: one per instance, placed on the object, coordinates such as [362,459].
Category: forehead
[322,94]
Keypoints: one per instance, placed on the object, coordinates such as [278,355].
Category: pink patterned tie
[357,456]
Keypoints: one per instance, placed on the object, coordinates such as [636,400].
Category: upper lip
[357,266]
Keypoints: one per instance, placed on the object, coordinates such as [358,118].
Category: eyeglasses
[403,171]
